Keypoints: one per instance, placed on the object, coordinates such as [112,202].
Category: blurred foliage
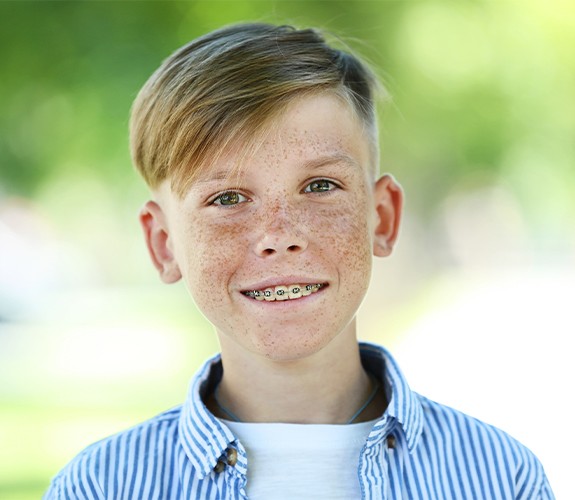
[483,94]
[477,85]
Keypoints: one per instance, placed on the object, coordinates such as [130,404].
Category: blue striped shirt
[419,449]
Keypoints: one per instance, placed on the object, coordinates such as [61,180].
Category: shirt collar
[205,439]
[404,406]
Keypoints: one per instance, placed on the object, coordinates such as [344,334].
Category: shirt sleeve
[74,482]
[54,491]
[546,493]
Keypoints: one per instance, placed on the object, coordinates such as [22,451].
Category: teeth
[283,292]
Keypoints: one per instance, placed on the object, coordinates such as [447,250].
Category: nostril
[270,245]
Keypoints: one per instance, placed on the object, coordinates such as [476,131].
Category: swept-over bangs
[225,86]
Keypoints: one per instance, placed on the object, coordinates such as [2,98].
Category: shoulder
[108,464]
[479,449]
[448,423]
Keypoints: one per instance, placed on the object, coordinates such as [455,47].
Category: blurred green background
[480,133]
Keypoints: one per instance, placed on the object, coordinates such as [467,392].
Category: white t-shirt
[295,461]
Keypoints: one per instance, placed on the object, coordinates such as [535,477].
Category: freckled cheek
[216,251]
[347,228]
[347,238]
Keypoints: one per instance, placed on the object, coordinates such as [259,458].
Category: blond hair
[226,85]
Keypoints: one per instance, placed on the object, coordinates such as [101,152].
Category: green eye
[319,186]
[229,198]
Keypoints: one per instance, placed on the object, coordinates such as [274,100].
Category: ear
[388,197]
[153,222]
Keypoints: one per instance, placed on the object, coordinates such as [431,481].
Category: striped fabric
[417,450]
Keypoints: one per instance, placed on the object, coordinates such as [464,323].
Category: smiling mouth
[289,292]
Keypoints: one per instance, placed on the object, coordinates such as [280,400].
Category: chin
[294,348]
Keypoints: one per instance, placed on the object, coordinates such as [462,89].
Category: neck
[327,387]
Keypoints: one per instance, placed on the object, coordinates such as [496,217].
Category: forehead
[310,131]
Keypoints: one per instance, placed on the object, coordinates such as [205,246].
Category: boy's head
[259,145]
[225,88]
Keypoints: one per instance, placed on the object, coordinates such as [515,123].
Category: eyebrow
[220,175]
[332,158]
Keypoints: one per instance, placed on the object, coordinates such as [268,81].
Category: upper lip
[283,280]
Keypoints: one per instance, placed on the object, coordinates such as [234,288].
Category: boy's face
[303,210]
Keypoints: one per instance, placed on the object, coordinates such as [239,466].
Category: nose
[282,234]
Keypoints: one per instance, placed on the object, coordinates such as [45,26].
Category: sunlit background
[477,302]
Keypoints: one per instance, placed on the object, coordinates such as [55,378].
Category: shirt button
[232,456]
[220,466]
[390,442]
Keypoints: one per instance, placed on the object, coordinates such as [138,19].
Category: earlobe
[388,197]
[153,222]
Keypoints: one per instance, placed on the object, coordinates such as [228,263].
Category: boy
[259,144]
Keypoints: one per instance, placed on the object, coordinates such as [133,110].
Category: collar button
[390,440]
[232,456]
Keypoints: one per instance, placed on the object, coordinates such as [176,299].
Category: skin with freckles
[303,209]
